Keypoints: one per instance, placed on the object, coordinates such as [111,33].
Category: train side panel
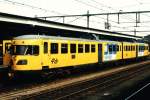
[146,50]
[143,50]
[78,53]
[129,50]
[112,51]
[53,54]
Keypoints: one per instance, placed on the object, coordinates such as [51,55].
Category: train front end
[26,55]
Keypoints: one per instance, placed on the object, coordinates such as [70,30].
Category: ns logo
[54,61]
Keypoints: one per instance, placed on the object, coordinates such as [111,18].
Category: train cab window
[80,48]
[26,50]
[92,48]
[87,48]
[73,48]
[45,47]
[64,48]
[54,48]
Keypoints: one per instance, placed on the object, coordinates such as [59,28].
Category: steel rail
[28,91]
[108,83]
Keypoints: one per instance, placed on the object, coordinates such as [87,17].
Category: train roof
[55,38]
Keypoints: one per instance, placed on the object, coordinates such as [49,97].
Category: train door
[100,53]
[45,57]
[122,48]
[137,50]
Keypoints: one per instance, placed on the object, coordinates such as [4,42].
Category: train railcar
[111,51]
[129,50]
[38,53]
[4,52]
[4,58]
[47,52]
[143,50]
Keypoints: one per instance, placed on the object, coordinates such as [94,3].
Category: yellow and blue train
[39,52]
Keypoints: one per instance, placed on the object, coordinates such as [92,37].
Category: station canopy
[14,25]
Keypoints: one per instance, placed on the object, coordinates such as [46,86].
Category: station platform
[3,68]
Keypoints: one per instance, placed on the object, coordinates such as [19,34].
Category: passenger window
[120,48]
[80,48]
[54,48]
[87,48]
[73,48]
[126,48]
[92,48]
[114,48]
[64,48]
[117,47]
[110,48]
[45,47]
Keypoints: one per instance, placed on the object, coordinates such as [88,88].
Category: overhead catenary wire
[33,7]
[97,8]
[58,13]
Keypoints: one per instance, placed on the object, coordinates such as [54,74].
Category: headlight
[22,62]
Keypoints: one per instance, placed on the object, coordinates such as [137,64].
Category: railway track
[103,84]
[73,86]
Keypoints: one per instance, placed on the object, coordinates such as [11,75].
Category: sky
[127,25]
